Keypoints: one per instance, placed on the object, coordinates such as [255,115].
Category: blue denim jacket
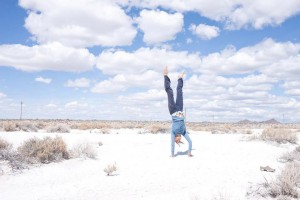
[178,125]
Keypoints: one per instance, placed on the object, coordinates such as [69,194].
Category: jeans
[178,106]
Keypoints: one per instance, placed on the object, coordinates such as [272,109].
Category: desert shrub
[279,135]
[40,125]
[291,156]
[44,150]
[157,128]
[14,159]
[59,128]
[86,126]
[225,129]
[3,144]
[27,127]
[248,132]
[74,126]
[110,169]
[105,131]
[84,150]
[9,126]
[287,183]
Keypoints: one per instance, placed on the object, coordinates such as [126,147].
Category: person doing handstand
[175,109]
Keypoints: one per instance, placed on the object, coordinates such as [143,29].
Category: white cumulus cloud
[51,105]
[51,56]
[2,95]
[79,83]
[265,56]
[144,59]
[235,14]
[120,82]
[75,104]
[204,31]
[43,80]
[78,23]
[159,26]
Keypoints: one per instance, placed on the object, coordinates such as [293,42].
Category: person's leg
[171,103]
[179,97]
[187,137]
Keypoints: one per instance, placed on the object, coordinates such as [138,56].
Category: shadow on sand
[182,153]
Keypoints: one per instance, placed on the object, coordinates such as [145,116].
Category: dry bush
[105,131]
[9,126]
[59,128]
[287,183]
[85,126]
[247,131]
[13,158]
[223,130]
[279,135]
[40,125]
[291,156]
[110,169]
[4,144]
[84,150]
[44,150]
[157,128]
[27,127]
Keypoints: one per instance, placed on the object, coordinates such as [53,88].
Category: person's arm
[187,137]
[172,143]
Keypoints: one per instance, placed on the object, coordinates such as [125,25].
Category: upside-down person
[175,109]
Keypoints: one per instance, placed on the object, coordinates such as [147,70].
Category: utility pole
[283,117]
[21,110]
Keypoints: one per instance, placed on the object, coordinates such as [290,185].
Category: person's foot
[166,71]
[190,155]
[181,75]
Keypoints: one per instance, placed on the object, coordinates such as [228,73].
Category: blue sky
[104,59]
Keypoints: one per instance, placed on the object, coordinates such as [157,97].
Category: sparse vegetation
[105,131]
[279,135]
[59,128]
[9,126]
[44,150]
[223,129]
[151,126]
[84,150]
[291,156]
[110,169]
[3,144]
[27,126]
[157,128]
[13,158]
[287,183]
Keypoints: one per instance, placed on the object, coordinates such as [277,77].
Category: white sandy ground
[223,166]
